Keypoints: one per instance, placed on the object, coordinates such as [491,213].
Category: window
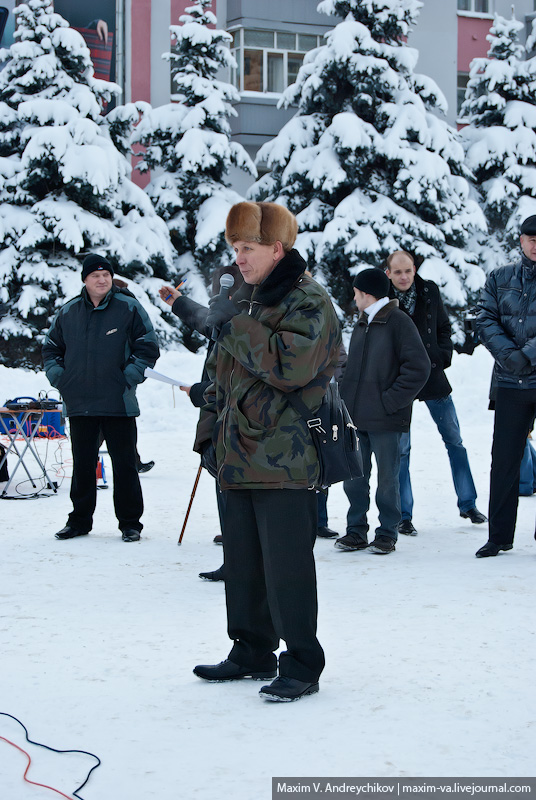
[476,6]
[463,77]
[253,74]
[269,61]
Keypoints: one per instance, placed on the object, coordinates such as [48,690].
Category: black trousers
[515,410]
[270,579]
[120,436]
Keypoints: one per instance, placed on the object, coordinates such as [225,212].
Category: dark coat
[96,356]
[506,320]
[433,324]
[387,367]
[195,316]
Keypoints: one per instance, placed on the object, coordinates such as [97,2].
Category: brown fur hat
[265,223]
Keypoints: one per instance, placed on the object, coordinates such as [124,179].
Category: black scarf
[277,284]
[407,299]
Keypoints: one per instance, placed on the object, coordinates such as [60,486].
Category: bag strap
[313,420]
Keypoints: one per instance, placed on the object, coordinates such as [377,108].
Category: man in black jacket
[387,366]
[506,324]
[95,354]
[422,301]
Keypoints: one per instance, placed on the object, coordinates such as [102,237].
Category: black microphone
[226,284]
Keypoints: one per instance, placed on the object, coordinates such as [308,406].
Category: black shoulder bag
[334,435]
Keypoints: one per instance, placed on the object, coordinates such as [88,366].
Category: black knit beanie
[528,227]
[93,263]
[372,281]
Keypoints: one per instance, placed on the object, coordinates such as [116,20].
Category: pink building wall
[178,7]
[472,42]
[142,57]
[141,50]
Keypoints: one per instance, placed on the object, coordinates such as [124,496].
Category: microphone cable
[54,750]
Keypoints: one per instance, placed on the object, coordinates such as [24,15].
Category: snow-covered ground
[430,651]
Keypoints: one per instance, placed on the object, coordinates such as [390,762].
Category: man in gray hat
[506,324]
[387,367]
[95,354]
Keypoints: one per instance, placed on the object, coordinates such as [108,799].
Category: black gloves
[221,310]
[518,363]
[208,458]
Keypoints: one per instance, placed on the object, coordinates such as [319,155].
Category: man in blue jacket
[95,354]
[506,323]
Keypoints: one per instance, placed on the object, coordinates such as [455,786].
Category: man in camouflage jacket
[279,334]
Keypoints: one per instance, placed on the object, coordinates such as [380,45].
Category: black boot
[406,527]
[229,671]
[217,575]
[131,535]
[285,690]
[474,515]
[70,533]
[326,533]
[352,541]
[492,549]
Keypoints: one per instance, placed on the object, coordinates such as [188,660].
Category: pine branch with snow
[500,139]
[368,164]
[66,187]
[188,147]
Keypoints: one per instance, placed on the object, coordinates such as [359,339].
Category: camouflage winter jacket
[286,337]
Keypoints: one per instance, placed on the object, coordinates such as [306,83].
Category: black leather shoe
[474,515]
[406,527]
[145,467]
[70,533]
[217,575]
[131,535]
[285,690]
[351,542]
[229,671]
[218,539]
[326,533]
[492,549]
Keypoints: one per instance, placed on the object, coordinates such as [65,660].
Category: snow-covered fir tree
[367,163]
[65,187]
[189,148]
[500,139]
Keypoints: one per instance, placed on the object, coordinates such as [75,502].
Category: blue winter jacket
[506,320]
[96,356]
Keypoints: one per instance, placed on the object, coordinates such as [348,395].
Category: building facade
[269,42]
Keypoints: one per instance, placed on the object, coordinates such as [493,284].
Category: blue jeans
[386,448]
[527,473]
[322,506]
[444,415]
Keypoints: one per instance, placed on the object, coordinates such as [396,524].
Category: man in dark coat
[278,334]
[422,301]
[506,324]
[95,354]
[387,366]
